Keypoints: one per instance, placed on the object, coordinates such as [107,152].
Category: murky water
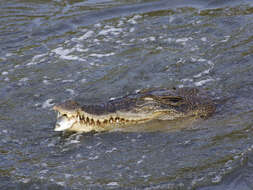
[94,50]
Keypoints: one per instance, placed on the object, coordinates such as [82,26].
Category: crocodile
[140,107]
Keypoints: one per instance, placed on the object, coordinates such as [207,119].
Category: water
[92,51]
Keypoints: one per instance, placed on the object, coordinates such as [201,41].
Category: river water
[92,51]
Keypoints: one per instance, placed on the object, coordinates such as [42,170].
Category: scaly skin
[141,107]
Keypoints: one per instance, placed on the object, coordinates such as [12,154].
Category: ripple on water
[110,30]
[48,103]
[66,53]
[202,82]
[5,73]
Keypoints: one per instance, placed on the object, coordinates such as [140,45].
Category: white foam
[113,183]
[87,178]
[25,180]
[101,55]
[98,25]
[110,151]
[37,59]
[61,183]
[133,20]
[198,22]
[121,23]
[204,39]
[93,158]
[170,40]
[51,145]
[181,60]
[5,73]
[183,40]
[202,60]
[64,54]
[74,141]
[67,175]
[96,41]
[226,39]
[25,79]
[79,48]
[197,180]
[171,18]
[72,92]
[137,91]
[66,81]
[228,163]
[83,80]
[146,176]
[193,59]
[152,38]
[48,103]
[44,171]
[217,179]
[186,142]
[202,73]
[110,30]
[207,71]
[86,35]
[79,155]
[194,48]
[132,29]
[5,131]
[9,54]
[46,82]
[72,57]
[202,82]
[187,80]
[210,63]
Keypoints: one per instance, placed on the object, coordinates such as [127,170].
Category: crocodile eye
[172,99]
[202,116]
[148,98]
[61,115]
[175,100]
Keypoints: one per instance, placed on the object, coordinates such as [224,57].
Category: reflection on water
[92,51]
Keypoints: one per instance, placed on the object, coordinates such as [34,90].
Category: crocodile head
[163,104]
